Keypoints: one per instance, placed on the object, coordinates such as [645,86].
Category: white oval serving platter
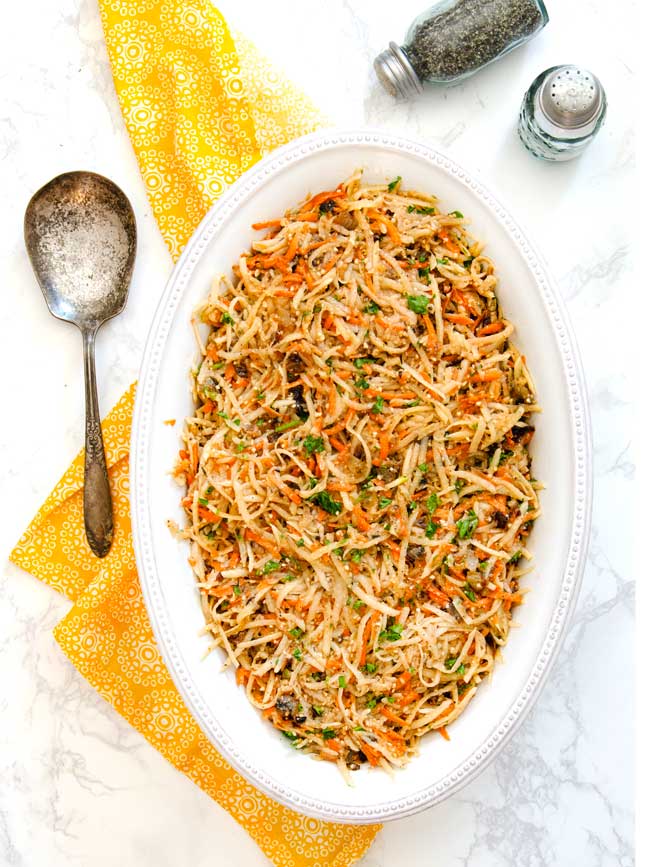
[561,455]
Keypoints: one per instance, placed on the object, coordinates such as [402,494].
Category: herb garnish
[418,303]
[393,633]
[327,503]
[467,525]
[431,529]
[313,444]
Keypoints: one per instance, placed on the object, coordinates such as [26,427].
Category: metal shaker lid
[570,102]
[395,72]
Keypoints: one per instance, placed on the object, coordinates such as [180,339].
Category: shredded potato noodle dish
[357,478]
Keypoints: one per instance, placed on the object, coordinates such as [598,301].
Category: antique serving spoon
[80,235]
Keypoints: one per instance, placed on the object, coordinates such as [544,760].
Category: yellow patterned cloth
[200,109]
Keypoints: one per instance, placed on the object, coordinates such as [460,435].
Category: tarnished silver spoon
[80,234]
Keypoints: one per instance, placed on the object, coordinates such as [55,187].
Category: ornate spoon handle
[98,506]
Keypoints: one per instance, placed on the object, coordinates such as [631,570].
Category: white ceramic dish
[561,458]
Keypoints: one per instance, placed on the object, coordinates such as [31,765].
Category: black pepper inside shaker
[455,38]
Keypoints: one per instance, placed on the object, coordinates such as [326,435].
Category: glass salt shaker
[561,113]
[454,39]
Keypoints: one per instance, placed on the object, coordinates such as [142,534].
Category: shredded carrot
[269,224]
[459,319]
[341,425]
[241,675]
[403,680]
[207,515]
[432,338]
[384,448]
[492,328]
[261,540]
[486,376]
[388,713]
[360,519]
[373,755]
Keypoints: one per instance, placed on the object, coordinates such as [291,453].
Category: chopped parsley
[328,734]
[418,210]
[394,184]
[291,735]
[443,261]
[223,415]
[423,468]
[359,363]
[467,590]
[297,653]
[430,530]
[239,448]
[361,383]
[342,682]
[203,501]
[319,711]
[300,543]
[393,633]
[357,604]
[378,405]
[418,303]
[372,702]
[270,566]
[327,503]
[237,590]
[356,556]
[515,557]
[384,502]
[467,525]
[313,444]
[424,274]
[296,632]
[456,214]
[227,319]
[432,502]
[369,667]
[372,308]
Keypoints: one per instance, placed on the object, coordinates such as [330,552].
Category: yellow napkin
[200,110]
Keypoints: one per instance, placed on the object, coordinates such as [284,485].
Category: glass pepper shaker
[455,38]
[561,113]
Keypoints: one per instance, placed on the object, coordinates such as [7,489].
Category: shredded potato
[358,481]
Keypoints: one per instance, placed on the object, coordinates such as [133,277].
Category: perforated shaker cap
[571,102]
[396,74]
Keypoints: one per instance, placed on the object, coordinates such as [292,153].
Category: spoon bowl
[80,235]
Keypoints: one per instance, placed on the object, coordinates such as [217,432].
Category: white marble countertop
[79,786]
